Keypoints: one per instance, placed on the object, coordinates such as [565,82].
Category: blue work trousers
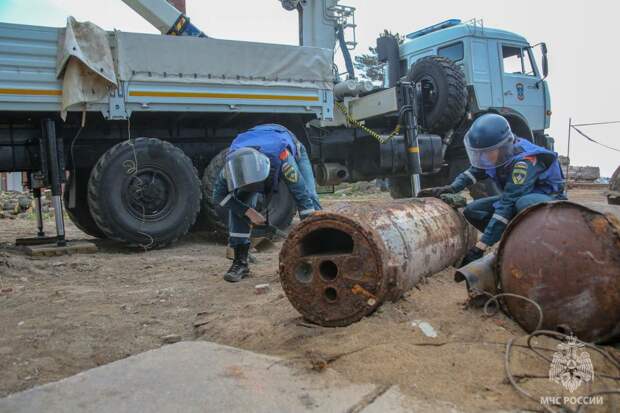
[479,212]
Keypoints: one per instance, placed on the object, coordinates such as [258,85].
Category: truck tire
[444,90]
[144,192]
[80,214]
[281,209]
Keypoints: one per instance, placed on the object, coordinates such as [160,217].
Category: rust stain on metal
[516,273]
[600,225]
[339,265]
[572,269]
[359,290]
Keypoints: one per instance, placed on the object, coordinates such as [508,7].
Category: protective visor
[245,167]
[493,156]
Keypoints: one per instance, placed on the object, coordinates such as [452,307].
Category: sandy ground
[62,315]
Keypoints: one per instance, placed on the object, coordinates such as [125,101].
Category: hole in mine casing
[328,270]
[303,272]
[331,294]
[326,241]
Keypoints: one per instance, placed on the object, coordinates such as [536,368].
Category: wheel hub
[429,92]
[149,194]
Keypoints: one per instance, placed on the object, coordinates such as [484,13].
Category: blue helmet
[246,169]
[489,142]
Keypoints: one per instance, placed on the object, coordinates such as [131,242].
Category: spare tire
[444,92]
[280,211]
[144,192]
[80,213]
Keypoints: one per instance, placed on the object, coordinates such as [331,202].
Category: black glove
[436,191]
[472,255]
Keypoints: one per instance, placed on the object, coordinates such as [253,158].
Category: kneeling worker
[256,161]
[528,174]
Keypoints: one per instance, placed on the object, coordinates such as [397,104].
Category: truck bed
[171,74]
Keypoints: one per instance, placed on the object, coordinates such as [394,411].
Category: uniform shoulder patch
[520,165]
[532,159]
[283,155]
[519,173]
[290,173]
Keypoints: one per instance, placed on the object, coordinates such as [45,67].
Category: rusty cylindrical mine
[340,265]
[566,257]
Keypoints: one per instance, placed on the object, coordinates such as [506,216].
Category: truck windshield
[517,61]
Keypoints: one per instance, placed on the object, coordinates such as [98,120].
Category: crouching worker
[528,174]
[257,160]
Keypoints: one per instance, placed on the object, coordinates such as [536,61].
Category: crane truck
[136,125]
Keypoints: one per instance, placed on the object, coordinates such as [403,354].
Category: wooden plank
[49,250]
[35,241]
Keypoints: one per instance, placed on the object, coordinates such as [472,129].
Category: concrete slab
[203,377]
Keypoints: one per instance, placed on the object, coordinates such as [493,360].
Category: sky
[581,37]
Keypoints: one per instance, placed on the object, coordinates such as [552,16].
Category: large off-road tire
[281,208]
[444,92]
[80,213]
[144,192]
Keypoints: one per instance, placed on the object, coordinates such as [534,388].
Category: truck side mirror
[545,61]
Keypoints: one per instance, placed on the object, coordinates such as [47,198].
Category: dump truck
[137,126]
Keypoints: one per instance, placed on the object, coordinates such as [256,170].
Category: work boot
[239,268]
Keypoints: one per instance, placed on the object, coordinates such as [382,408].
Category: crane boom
[165,17]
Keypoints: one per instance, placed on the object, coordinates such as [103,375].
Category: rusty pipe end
[481,279]
[331,270]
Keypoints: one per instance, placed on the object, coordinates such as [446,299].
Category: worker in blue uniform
[257,160]
[528,174]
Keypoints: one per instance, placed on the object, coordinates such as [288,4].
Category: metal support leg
[411,136]
[55,181]
[416,185]
[60,220]
[37,198]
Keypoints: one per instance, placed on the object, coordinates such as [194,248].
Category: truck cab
[500,70]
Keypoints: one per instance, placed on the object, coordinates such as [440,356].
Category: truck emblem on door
[520,91]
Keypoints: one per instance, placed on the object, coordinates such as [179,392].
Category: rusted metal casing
[339,265]
[480,278]
[566,257]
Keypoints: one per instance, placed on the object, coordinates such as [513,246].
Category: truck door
[519,81]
